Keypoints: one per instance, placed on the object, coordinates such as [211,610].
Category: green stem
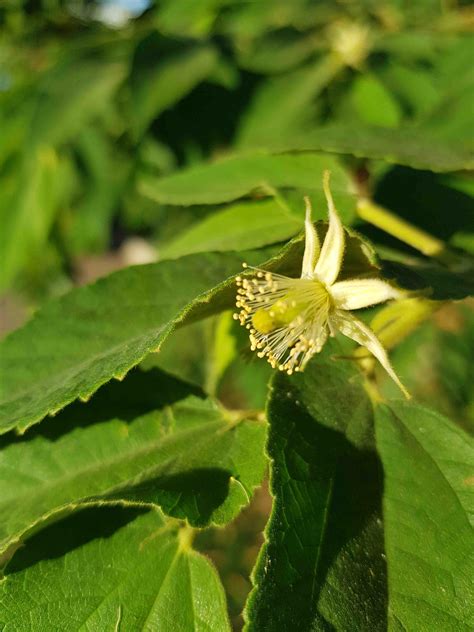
[401,229]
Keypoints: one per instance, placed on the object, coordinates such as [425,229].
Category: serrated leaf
[146,441]
[234,177]
[186,354]
[411,146]
[322,563]
[76,343]
[143,577]
[429,510]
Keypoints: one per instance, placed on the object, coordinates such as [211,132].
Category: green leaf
[443,373]
[106,171]
[186,355]
[234,177]
[76,343]
[143,577]
[374,103]
[440,282]
[409,46]
[238,227]
[451,120]
[284,105]
[412,146]
[414,87]
[276,51]
[322,564]
[143,441]
[160,78]
[28,208]
[429,517]
[72,94]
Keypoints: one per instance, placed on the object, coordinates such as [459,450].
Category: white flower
[290,319]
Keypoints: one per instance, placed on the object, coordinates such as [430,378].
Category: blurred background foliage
[100,101]
[96,97]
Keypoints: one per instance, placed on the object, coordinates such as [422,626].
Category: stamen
[287,318]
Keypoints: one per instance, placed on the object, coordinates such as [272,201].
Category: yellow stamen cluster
[287,318]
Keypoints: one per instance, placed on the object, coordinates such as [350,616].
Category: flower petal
[312,248]
[353,328]
[359,293]
[330,259]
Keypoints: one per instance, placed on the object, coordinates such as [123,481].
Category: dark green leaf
[322,565]
[440,282]
[161,78]
[414,87]
[414,147]
[276,52]
[284,105]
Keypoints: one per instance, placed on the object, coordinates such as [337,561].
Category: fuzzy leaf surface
[146,440]
[76,343]
[142,577]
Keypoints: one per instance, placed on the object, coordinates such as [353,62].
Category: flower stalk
[399,228]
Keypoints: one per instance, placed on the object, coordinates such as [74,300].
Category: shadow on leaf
[70,533]
[323,563]
[140,392]
[192,495]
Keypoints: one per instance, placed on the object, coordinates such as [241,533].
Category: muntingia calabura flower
[289,319]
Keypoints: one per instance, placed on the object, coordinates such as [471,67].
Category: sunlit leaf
[428,508]
[145,576]
[236,176]
[244,225]
[80,341]
[145,441]
[29,202]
